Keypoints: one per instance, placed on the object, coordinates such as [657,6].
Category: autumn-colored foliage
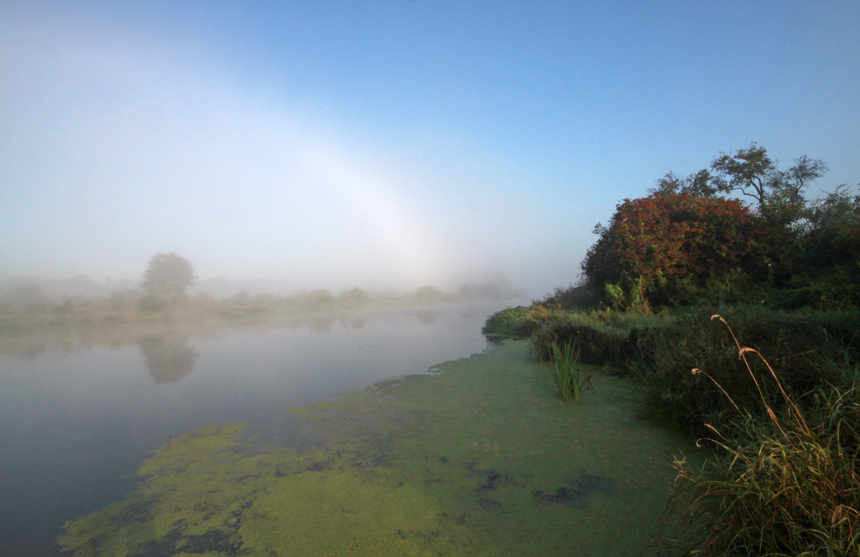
[663,246]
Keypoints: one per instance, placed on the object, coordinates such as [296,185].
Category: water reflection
[167,357]
[26,350]
[163,346]
[320,323]
[358,322]
[103,396]
[427,317]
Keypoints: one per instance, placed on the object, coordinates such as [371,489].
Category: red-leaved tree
[663,247]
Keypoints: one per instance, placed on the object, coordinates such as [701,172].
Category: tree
[832,233]
[804,170]
[668,245]
[778,193]
[698,184]
[167,274]
[747,171]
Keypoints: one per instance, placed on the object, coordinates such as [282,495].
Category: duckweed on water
[478,459]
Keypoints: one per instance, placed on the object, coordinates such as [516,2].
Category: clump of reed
[784,481]
[563,372]
[605,338]
[596,346]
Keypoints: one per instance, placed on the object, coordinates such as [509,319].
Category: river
[212,440]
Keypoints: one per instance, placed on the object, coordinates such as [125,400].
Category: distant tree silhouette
[167,274]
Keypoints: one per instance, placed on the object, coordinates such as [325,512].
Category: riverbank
[476,458]
[774,394]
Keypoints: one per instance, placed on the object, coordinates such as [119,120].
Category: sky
[391,143]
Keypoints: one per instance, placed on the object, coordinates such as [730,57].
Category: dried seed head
[837,515]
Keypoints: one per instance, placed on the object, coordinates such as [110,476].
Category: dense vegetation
[773,388]
[684,244]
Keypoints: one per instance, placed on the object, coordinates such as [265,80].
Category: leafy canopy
[661,245]
[777,193]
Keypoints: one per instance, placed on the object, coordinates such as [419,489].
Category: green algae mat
[478,458]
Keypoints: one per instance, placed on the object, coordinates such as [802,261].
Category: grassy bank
[774,395]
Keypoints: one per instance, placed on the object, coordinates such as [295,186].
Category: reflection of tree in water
[167,357]
[357,322]
[24,350]
[320,323]
[427,317]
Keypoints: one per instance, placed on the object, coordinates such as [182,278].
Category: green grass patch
[807,349]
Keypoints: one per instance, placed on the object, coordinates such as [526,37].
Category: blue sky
[390,143]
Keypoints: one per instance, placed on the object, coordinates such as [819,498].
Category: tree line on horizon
[168,276]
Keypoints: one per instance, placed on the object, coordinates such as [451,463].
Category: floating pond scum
[478,458]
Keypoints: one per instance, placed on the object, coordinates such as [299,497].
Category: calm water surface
[80,411]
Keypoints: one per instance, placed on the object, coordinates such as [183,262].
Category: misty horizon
[222,288]
[393,145]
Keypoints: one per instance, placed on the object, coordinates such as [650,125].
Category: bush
[581,296]
[661,249]
[605,337]
[596,346]
[520,322]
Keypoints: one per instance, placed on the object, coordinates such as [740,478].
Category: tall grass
[605,337]
[563,372]
[784,480]
[807,350]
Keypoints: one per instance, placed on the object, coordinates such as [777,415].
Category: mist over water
[81,409]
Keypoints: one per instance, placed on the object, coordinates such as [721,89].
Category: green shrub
[520,322]
[581,296]
[509,322]
[605,337]
[596,346]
